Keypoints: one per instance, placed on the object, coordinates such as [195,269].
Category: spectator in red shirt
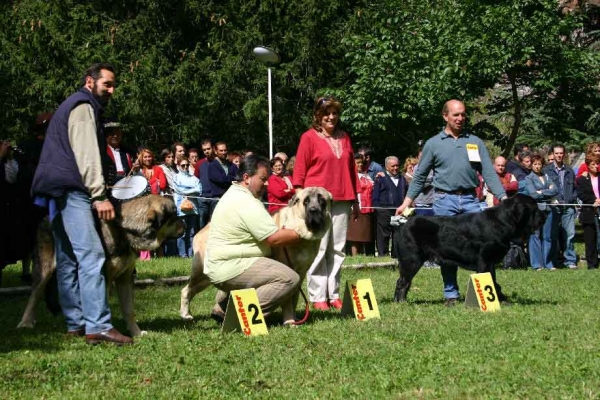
[360,230]
[325,158]
[592,148]
[509,182]
[279,189]
[156,180]
[152,172]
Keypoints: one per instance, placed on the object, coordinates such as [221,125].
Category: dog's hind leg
[195,286]
[198,282]
[37,292]
[44,267]
[124,285]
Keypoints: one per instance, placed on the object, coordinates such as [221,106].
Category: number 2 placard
[482,293]
[359,300]
[244,313]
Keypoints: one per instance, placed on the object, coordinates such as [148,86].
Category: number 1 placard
[244,313]
[359,300]
[482,293]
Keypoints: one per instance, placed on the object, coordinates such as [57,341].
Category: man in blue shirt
[374,169]
[563,217]
[456,156]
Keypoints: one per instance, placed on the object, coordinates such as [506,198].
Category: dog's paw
[26,324]
[187,317]
[299,226]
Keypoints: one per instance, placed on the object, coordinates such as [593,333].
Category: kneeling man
[239,241]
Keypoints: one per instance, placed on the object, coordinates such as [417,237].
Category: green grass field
[544,346]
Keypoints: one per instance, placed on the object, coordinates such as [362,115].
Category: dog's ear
[294,200]
[152,216]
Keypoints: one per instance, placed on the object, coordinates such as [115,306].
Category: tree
[185,69]
[411,57]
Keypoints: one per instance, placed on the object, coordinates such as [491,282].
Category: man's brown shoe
[77,332]
[109,336]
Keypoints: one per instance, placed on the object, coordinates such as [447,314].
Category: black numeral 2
[255,319]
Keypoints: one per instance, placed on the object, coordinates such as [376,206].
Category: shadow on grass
[32,339]
[524,301]
[514,299]
[275,319]
[168,325]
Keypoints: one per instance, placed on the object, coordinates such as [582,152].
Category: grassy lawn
[544,346]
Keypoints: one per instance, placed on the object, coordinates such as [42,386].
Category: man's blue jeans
[540,245]
[79,263]
[203,213]
[453,204]
[184,243]
[563,226]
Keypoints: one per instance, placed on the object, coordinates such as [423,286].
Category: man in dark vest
[72,173]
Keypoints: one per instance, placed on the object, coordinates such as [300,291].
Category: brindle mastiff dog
[308,210]
[143,223]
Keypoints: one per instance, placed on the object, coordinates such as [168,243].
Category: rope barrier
[387,208]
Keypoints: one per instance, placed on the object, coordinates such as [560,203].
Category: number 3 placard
[359,300]
[244,313]
[482,293]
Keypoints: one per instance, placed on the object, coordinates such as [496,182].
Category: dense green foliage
[542,347]
[409,60]
[186,70]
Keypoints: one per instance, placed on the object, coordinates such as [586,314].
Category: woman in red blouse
[325,158]
[156,180]
[153,173]
[279,188]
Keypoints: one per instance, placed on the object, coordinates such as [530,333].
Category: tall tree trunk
[512,77]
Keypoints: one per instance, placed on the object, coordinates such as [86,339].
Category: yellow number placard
[359,300]
[244,313]
[482,293]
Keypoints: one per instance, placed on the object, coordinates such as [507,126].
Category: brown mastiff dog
[140,224]
[310,209]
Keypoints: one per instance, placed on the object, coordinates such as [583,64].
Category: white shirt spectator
[11,169]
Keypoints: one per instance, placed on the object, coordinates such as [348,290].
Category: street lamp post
[268,57]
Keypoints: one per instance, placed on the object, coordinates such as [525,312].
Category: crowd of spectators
[196,179]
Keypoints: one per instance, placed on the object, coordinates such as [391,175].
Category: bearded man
[72,172]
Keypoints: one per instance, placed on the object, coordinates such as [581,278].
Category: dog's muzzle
[314,218]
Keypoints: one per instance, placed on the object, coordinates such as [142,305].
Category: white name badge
[473,153]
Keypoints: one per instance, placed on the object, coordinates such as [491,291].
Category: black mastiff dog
[473,241]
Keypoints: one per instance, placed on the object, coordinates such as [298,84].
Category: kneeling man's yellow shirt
[238,228]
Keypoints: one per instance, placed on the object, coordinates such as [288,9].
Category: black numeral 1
[367,297]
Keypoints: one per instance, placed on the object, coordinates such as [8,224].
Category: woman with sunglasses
[325,158]
[186,189]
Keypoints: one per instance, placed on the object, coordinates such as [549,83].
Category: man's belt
[457,192]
